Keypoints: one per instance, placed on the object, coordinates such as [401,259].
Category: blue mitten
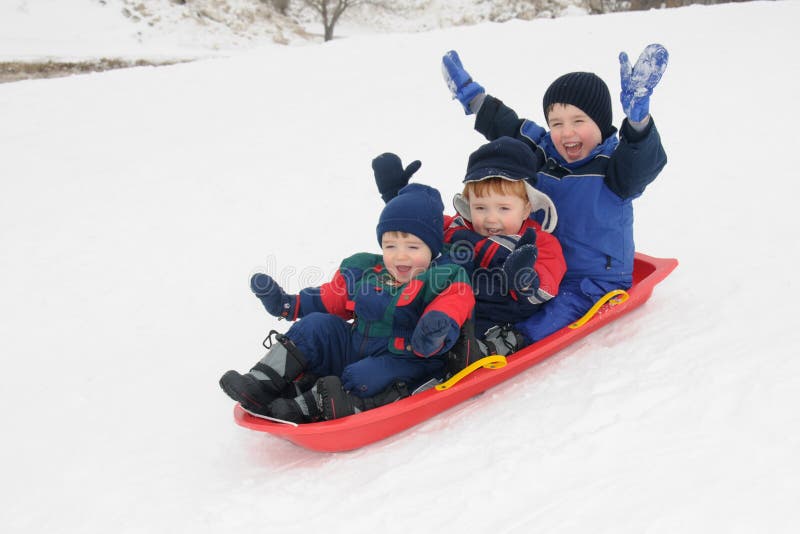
[459,81]
[638,82]
[435,334]
[390,175]
[273,297]
[518,266]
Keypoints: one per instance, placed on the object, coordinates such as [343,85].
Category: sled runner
[367,427]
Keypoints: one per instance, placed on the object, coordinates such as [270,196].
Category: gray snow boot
[502,340]
[335,402]
[305,408]
[269,378]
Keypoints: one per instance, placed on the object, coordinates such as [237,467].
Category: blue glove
[459,81]
[638,82]
[518,266]
[390,175]
[435,334]
[274,299]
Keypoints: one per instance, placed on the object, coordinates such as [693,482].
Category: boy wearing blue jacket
[591,174]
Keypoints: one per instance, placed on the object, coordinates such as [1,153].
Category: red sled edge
[367,427]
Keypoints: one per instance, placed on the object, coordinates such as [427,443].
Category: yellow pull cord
[617,296]
[495,361]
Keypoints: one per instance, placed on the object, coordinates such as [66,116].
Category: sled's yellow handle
[618,296]
[495,361]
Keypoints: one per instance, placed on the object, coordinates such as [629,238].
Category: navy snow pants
[575,297]
[333,347]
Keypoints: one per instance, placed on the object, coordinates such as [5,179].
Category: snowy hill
[51,38]
[136,203]
[159,29]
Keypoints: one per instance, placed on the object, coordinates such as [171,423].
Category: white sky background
[135,204]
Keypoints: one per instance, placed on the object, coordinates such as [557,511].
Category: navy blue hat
[417,209]
[505,157]
[513,160]
[584,90]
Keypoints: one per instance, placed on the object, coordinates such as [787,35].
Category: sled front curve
[367,427]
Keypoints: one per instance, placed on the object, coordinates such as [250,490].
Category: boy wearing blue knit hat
[591,174]
[379,328]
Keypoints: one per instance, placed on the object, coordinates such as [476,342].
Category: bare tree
[331,10]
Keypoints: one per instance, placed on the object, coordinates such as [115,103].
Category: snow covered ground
[135,204]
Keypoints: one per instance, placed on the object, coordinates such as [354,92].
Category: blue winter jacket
[593,196]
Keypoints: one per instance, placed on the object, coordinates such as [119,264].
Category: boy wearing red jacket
[383,324]
[514,262]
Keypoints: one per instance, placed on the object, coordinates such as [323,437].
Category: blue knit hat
[586,91]
[417,209]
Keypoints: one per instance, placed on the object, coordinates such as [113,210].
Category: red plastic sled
[367,427]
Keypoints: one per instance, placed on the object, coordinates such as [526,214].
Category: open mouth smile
[573,150]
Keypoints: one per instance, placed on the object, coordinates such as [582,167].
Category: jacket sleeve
[637,160]
[453,294]
[332,297]
[495,119]
[454,300]
[550,265]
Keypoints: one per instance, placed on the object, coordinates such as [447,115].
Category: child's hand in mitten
[435,334]
[459,81]
[638,81]
[273,297]
[390,175]
[518,266]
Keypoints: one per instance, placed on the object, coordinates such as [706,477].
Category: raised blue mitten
[435,334]
[390,176]
[638,81]
[273,297]
[518,266]
[459,81]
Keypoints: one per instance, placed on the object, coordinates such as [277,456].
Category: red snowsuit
[483,257]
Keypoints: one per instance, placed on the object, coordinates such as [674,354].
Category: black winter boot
[268,378]
[335,402]
[304,408]
[300,385]
[502,340]
[465,351]
[247,391]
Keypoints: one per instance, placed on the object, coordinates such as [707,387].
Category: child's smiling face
[573,133]
[405,255]
[497,214]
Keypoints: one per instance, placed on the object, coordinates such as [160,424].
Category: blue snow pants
[575,297]
[333,346]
